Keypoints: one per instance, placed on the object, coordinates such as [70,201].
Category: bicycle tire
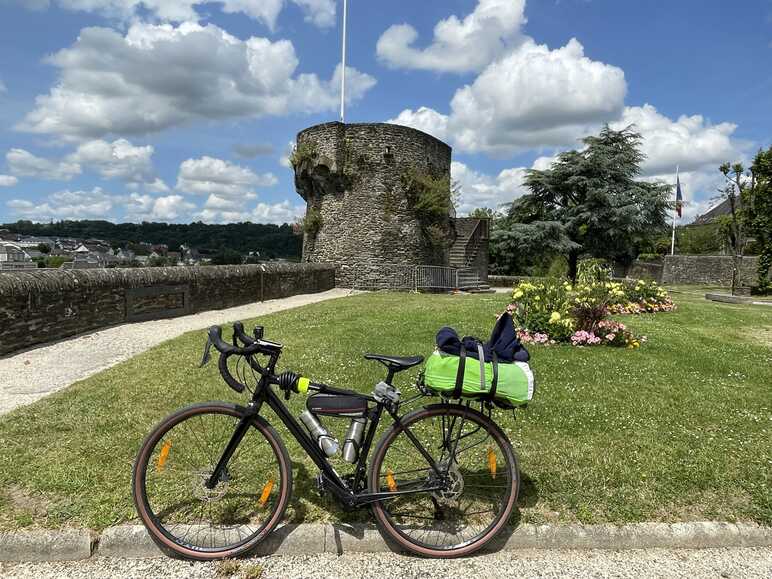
[386,524]
[160,534]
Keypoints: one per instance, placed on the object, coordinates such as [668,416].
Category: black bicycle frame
[349,496]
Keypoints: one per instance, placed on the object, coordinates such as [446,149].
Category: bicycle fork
[233,443]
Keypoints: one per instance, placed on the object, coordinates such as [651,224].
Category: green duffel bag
[460,377]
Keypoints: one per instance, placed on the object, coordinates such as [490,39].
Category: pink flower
[610,337]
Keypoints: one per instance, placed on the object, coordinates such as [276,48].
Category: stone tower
[374,195]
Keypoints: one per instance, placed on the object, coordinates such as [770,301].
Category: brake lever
[207,352]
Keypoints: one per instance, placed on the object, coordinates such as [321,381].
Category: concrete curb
[133,541]
[65,545]
[730,299]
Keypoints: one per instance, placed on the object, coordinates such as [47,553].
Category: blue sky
[180,110]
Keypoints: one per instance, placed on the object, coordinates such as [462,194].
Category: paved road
[31,375]
[651,564]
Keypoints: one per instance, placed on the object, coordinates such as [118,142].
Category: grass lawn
[676,430]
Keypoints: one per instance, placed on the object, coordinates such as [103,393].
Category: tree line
[271,241]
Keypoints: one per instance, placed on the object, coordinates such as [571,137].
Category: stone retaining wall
[707,269]
[676,270]
[40,306]
[644,270]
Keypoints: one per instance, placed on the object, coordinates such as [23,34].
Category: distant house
[67,245]
[125,255]
[190,255]
[723,208]
[14,258]
[160,248]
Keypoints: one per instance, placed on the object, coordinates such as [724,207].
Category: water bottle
[327,443]
[353,439]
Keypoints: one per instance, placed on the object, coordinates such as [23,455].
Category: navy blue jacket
[503,341]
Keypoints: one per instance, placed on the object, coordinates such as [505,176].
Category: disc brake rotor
[205,494]
[449,495]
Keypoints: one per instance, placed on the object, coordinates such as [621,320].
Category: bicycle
[212,480]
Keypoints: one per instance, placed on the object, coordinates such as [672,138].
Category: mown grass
[676,430]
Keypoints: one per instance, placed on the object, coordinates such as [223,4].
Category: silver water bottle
[327,443]
[353,439]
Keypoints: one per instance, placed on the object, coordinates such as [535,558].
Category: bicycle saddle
[396,362]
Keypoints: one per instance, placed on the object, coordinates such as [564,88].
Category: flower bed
[551,311]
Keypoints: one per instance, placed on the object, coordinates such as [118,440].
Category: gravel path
[653,563]
[33,374]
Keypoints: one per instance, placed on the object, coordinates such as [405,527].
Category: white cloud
[208,215]
[690,141]
[210,176]
[148,208]
[8,180]
[426,120]
[220,210]
[533,97]
[117,160]
[284,160]
[277,213]
[94,204]
[458,45]
[157,186]
[160,76]
[694,144]
[3,88]
[22,163]
[319,12]
[481,190]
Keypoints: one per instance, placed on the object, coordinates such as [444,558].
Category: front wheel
[478,475]
[169,483]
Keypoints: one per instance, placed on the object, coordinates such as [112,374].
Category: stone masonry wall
[645,270]
[40,306]
[352,175]
[707,269]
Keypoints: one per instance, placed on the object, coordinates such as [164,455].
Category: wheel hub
[453,487]
[204,493]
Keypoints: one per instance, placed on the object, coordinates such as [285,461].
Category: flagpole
[675,209]
[343,66]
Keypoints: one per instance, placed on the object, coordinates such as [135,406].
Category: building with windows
[14,258]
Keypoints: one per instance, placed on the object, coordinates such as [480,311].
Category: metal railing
[480,232]
[400,277]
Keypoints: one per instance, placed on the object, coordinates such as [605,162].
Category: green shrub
[593,270]
[656,257]
[312,222]
[430,196]
[301,153]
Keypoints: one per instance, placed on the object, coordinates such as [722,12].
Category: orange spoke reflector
[492,462]
[266,493]
[390,482]
[164,456]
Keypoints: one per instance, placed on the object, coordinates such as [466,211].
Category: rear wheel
[478,475]
[178,457]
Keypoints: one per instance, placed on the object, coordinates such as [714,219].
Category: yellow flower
[537,298]
[555,317]
[518,294]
